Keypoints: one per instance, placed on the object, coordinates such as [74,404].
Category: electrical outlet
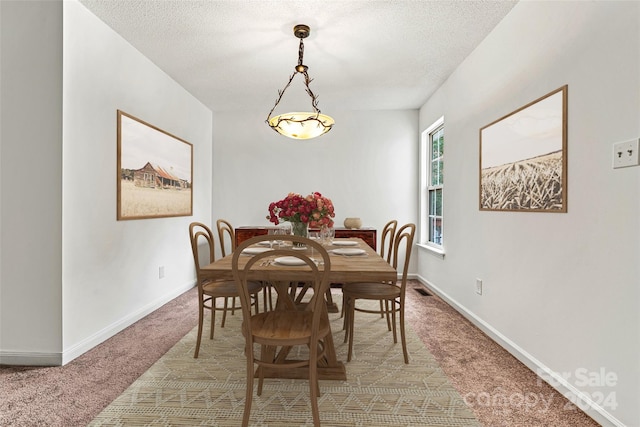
[479,286]
[161,272]
[626,154]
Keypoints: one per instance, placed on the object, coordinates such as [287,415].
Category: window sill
[437,252]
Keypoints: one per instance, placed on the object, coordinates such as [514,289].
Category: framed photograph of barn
[155,175]
[523,158]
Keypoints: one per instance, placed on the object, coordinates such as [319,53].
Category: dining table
[352,260]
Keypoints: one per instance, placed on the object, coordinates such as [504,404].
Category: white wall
[366,165]
[110,268]
[560,290]
[72,275]
[30,176]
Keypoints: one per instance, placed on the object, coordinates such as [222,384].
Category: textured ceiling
[236,54]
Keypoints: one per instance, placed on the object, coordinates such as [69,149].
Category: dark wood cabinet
[244,233]
[369,235]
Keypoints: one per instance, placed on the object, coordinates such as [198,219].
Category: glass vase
[299,229]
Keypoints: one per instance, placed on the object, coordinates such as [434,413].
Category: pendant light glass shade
[300,125]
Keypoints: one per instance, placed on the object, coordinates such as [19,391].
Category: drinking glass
[328,234]
[271,232]
[287,231]
[314,235]
[279,232]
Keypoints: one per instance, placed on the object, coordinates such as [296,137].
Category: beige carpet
[380,390]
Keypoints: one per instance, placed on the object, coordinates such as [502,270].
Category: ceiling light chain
[302,69]
[300,125]
[280,93]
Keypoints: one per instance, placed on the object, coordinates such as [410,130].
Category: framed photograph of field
[523,158]
[155,171]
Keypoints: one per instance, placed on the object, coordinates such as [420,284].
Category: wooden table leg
[332,307]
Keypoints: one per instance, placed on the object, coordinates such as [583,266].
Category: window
[432,160]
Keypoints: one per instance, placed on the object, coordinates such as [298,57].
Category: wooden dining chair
[289,324]
[225,231]
[387,240]
[210,290]
[386,251]
[391,294]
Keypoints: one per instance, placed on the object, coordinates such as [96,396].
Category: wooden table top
[344,269]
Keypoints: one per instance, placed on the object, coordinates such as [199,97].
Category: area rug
[381,390]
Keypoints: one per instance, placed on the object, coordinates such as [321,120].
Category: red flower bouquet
[314,210]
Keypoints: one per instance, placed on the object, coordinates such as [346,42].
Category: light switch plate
[626,154]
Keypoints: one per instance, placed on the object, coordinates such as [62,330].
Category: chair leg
[200,321]
[345,321]
[342,311]
[270,298]
[213,318]
[264,296]
[402,334]
[267,353]
[224,311]
[249,393]
[254,303]
[351,321]
[386,312]
[269,291]
[313,383]
[394,310]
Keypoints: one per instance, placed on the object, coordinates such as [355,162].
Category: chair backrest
[225,228]
[316,272]
[387,240]
[199,232]
[404,240]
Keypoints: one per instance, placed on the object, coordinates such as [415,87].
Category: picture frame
[523,158]
[154,171]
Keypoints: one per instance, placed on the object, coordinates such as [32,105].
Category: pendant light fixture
[300,125]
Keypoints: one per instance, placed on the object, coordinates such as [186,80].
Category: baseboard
[12,358]
[106,333]
[555,380]
[58,359]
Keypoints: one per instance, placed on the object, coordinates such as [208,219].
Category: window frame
[426,187]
